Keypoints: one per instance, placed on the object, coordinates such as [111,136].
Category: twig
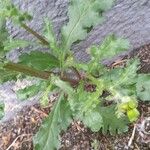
[39,111]
[137,146]
[16,140]
[118,62]
[132,136]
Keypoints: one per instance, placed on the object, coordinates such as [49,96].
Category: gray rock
[128,18]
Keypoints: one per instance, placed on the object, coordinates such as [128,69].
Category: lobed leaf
[50,35]
[28,92]
[123,76]
[79,13]
[17,43]
[111,122]
[6,75]
[59,119]
[3,36]
[39,60]
[112,46]
[143,87]
[93,120]
[9,10]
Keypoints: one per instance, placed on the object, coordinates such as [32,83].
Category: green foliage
[9,10]
[85,107]
[79,13]
[143,87]
[28,92]
[124,76]
[129,106]
[6,75]
[93,120]
[86,99]
[50,35]
[3,36]
[58,120]
[112,46]
[39,60]
[95,144]
[1,110]
[111,122]
[13,44]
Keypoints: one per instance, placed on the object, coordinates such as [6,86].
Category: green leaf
[50,35]
[39,60]
[28,92]
[1,110]
[16,43]
[133,114]
[79,13]
[64,86]
[59,119]
[6,75]
[9,10]
[45,98]
[110,121]
[143,87]
[123,76]
[3,36]
[93,120]
[112,46]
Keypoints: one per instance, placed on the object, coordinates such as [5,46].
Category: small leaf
[1,110]
[3,36]
[110,121]
[12,44]
[93,120]
[6,75]
[28,92]
[45,98]
[39,60]
[79,13]
[9,10]
[143,87]
[59,119]
[62,85]
[112,46]
[133,114]
[125,76]
[132,104]
[50,35]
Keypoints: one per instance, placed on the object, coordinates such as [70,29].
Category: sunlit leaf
[79,13]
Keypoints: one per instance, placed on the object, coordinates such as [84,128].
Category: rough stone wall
[128,18]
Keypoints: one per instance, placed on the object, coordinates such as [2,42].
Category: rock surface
[128,19]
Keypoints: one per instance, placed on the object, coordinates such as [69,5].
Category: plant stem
[27,70]
[37,35]
[42,74]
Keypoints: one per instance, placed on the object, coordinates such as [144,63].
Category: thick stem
[27,70]
[37,35]
[74,79]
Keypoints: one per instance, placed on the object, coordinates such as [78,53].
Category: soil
[17,133]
